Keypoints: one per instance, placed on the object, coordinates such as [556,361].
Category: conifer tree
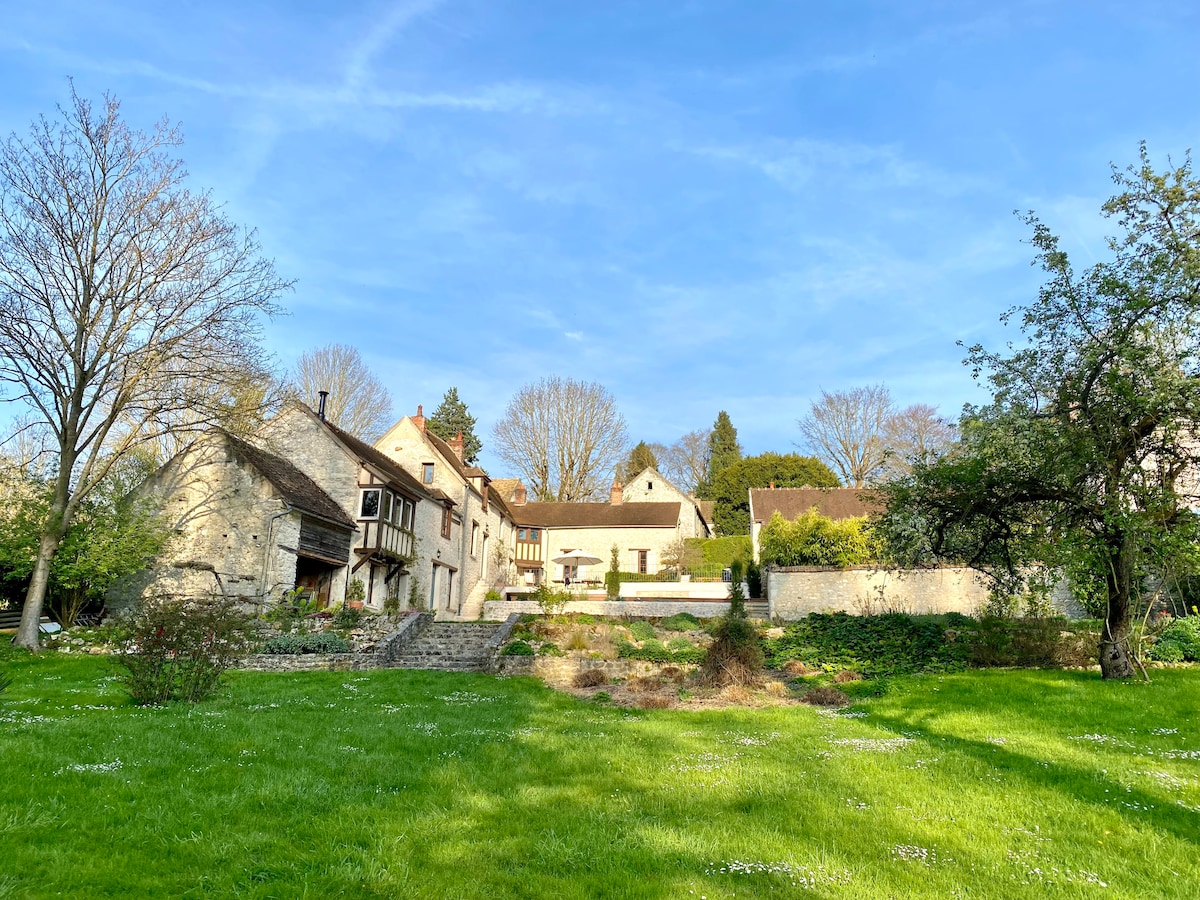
[449,419]
[640,459]
[723,451]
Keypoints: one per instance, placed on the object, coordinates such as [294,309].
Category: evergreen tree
[449,419]
[640,459]
[723,451]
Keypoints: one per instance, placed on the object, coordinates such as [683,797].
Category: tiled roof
[836,503]
[384,463]
[706,508]
[506,486]
[597,515]
[296,488]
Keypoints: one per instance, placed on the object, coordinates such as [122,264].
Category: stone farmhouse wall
[234,536]
[794,593]
[651,487]
[598,542]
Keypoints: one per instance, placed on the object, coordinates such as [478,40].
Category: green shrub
[680,622]
[179,649]
[493,596]
[316,642]
[812,539]
[550,600]
[641,631]
[890,644]
[347,617]
[1178,642]
[1028,642]
[550,649]
[723,551]
[679,643]
[602,697]
[735,655]
[517,648]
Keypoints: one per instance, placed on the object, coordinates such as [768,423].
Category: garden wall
[702,609]
[795,592]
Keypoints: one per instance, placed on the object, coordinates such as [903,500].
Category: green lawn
[398,784]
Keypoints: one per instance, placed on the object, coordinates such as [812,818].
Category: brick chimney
[419,418]
[615,494]
[456,444]
[519,497]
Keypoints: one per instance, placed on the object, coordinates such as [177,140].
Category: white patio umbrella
[576,558]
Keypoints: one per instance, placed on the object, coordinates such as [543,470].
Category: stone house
[642,532]
[248,524]
[476,556]
[402,522]
[835,503]
[649,486]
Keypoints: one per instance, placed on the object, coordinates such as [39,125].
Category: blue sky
[702,205]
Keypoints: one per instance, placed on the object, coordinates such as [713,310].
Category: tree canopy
[450,419]
[1086,457]
[641,458]
[358,401]
[125,301]
[731,489]
[564,437]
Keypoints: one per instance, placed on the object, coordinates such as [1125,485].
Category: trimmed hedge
[316,642]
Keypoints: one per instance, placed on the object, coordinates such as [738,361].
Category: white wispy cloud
[364,53]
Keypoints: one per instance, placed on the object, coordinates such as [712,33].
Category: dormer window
[427,473]
[370,504]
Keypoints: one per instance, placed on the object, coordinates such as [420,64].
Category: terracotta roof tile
[836,503]
[597,515]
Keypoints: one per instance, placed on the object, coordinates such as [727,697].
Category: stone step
[450,647]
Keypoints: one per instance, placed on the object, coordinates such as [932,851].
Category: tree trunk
[1116,657]
[31,615]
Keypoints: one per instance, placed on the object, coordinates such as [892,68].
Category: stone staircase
[757,609]
[447,647]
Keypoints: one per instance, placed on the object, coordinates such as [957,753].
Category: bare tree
[124,299]
[912,434]
[564,437]
[685,462]
[358,402]
[847,429]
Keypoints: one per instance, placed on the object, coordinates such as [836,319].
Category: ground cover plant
[1021,784]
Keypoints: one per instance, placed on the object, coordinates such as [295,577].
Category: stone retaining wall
[701,609]
[560,671]
[309,662]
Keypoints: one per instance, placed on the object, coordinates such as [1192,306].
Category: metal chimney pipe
[321,405]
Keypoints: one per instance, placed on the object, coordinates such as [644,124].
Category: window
[446,520]
[649,485]
[386,514]
[474,538]
[520,534]
[643,561]
[535,534]
[427,473]
[370,504]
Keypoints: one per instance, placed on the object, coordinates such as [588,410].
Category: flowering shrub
[179,649]
[1178,642]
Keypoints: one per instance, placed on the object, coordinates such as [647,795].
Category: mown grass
[402,784]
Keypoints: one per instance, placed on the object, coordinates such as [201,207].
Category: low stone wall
[796,592]
[408,630]
[701,609]
[560,671]
[309,662]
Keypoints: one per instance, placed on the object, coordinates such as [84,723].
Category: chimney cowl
[322,397]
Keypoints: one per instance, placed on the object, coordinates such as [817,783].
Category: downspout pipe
[464,551]
[268,550]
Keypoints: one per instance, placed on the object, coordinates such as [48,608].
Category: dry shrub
[577,640]
[776,688]
[672,673]
[736,693]
[638,684]
[826,696]
[846,675]
[654,701]
[730,672]
[795,667]
[590,678]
